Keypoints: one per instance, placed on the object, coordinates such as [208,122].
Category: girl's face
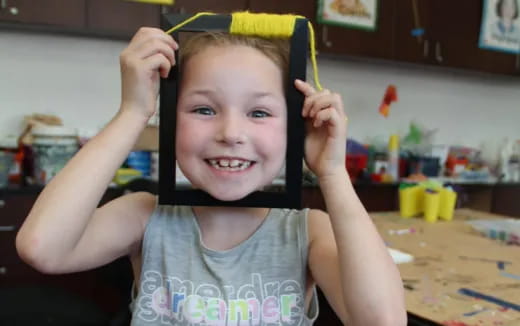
[508,9]
[231,121]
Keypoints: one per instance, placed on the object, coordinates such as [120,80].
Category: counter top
[152,185]
[452,260]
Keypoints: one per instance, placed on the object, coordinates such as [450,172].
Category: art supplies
[507,230]
[400,257]
[393,157]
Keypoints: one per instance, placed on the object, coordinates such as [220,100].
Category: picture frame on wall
[500,26]
[357,14]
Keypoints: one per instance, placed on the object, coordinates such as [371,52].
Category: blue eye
[259,114]
[204,110]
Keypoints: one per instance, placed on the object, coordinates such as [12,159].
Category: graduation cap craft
[298,31]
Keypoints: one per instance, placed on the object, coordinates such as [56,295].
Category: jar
[53,147]
[9,160]
[6,162]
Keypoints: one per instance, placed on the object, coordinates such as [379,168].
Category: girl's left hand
[326,131]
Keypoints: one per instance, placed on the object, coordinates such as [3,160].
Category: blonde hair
[275,49]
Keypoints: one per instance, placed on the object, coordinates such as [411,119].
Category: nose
[231,130]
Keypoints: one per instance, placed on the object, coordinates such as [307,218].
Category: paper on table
[400,257]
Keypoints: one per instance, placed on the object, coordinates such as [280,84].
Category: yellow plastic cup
[447,205]
[411,201]
[432,201]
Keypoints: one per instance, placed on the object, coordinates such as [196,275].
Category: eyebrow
[206,92]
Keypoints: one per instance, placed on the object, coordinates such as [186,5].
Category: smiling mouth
[231,165]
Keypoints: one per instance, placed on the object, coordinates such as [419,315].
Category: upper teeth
[230,165]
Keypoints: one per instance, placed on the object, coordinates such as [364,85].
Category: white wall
[74,78]
[78,80]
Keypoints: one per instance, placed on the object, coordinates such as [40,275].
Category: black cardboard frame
[169,192]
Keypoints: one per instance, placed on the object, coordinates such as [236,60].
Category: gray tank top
[261,281]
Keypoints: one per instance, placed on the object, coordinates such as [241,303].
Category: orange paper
[390,96]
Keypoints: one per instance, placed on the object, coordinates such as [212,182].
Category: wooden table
[449,256]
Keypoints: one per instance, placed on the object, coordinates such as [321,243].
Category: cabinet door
[69,13]
[195,6]
[122,18]
[306,8]
[451,36]
[107,286]
[13,211]
[348,41]
[412,15]
[505,200]
[456,38]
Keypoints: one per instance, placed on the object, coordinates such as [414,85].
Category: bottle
[393,157]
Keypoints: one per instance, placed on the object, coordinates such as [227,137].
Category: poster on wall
[500,27]
[360,14]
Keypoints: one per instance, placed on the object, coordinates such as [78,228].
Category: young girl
[220,265]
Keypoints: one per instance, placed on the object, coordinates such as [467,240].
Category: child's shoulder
[139,198]
[139,205]
[316,215]
[319,226]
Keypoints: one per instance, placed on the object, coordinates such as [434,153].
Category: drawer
[8,245]
[14,208]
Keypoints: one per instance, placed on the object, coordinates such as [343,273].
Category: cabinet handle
[3,270]
[3,4]
[325,36]
[438,52]
[14,11]
[7,228]
[2,203]
[426,48]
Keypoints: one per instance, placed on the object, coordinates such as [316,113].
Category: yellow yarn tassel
[264,25]
[314,63]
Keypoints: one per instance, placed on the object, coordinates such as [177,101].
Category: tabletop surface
[454,267]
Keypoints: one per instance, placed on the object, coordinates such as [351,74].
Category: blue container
[141,161]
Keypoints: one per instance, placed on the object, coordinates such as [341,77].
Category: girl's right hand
[149,55]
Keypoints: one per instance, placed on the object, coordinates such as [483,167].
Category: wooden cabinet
[29,297]
[374,197]
[348,41]
[13,210]
[456,39]
[412,15]
[505,200]
[306,8]
[63,13]
[339,40]
[451,36]
[106,17]
[499,198]
[121,18]
[190,6]
[450,39]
